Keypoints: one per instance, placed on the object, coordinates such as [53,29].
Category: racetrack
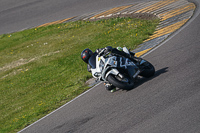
[21,14]
[168,102]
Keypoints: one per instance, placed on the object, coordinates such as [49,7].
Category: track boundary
[148,46]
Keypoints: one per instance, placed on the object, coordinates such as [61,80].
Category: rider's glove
[120,48]
[108,49]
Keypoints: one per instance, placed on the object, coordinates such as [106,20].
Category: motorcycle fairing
[102,66]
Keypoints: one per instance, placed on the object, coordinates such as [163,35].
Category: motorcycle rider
[87,53]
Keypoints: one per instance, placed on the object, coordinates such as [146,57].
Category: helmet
[86,54]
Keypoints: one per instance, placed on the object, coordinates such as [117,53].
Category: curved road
[167,103]
[17,15]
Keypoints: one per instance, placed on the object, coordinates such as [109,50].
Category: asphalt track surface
[16,15]
[169,102]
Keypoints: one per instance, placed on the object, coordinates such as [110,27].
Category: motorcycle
[118,71]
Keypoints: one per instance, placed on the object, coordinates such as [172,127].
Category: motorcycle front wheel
[125,83]
[148,70]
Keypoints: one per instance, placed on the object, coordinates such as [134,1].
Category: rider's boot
[110,87]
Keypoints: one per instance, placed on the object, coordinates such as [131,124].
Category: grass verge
[41,68]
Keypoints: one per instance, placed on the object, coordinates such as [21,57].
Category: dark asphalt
[167,103]
[17,15]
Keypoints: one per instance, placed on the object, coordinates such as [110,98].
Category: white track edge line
[61,107]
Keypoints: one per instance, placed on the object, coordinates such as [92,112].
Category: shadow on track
[142,80]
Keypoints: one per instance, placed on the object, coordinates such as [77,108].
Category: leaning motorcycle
[119,71]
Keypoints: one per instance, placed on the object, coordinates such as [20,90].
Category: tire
[148,71]
[127,84]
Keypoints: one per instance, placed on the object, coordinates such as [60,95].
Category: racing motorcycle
[118,71]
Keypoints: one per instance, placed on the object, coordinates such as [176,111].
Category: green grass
[41,68]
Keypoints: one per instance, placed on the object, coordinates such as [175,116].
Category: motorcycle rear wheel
[125,83]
